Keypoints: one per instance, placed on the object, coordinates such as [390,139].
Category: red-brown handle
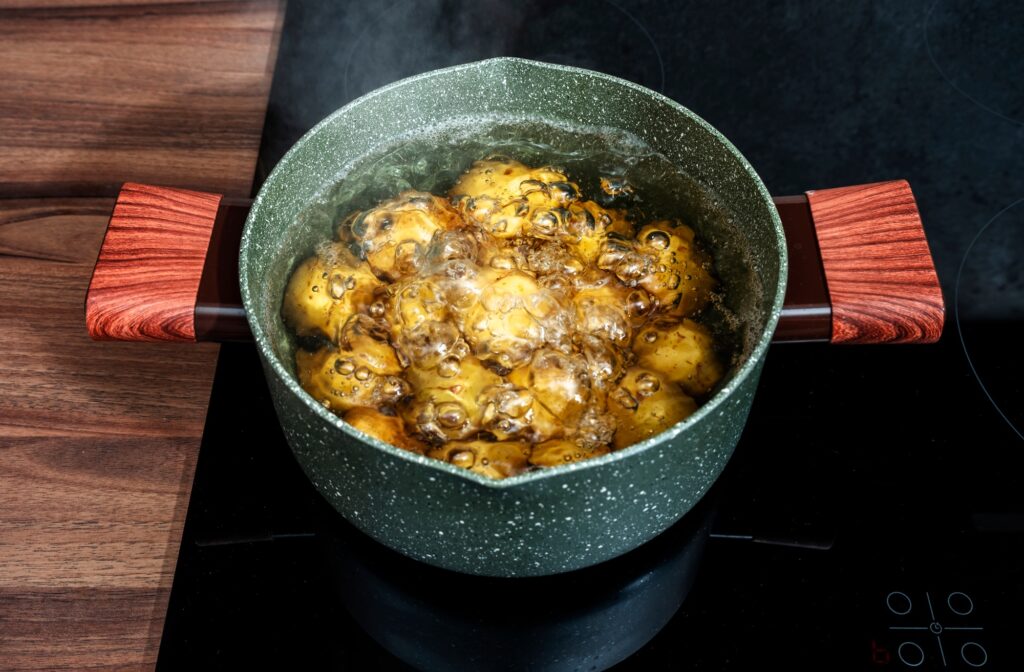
[860,269]
[147,276]
[879,272]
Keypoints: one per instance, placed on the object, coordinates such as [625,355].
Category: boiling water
[432,159]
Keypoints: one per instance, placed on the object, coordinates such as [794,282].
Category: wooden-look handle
[879,272]
[860,269]
[147,276]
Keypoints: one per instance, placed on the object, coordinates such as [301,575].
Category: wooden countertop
[98,441]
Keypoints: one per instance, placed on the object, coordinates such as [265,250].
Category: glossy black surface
[862,472]
[870,481]
[815,94]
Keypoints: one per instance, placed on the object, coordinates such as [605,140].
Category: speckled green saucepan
[541,522]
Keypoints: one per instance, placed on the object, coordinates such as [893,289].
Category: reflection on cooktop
[862,471]
[585,620]
[978,48]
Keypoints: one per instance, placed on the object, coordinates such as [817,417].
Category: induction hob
[872,516]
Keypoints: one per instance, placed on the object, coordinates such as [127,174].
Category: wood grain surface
[150,263]
[880,275]
[170,93]
[98,441]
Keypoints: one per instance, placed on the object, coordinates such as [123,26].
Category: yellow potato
[497,460]
[561,451]
[333,378]
[448,403]
[325,290]
[394,236]
[590,225]
[366,341]
[507,199]
[602,311]
[680,279]
[645,404]
[683,352]
[387,428]
[511,412]
[557,381]
[508,322]
[516,326]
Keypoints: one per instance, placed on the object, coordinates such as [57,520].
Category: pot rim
[712,405]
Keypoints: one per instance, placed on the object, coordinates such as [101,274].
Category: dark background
[815,95]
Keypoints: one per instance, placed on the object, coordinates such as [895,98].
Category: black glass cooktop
[872,516]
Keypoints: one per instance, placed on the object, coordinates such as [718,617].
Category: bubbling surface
[517,321]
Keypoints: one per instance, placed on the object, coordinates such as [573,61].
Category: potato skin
[332,377]
[513,325]
[394,236]
[680,280]
[325,290]
[387,428]
[494,459]
[683,352]
[644,404]
[560,451]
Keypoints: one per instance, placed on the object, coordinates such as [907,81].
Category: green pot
[553,520]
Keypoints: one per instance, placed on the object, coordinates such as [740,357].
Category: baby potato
[366,342]
[333,378]
[606,362]
[511,325]
[644,404]
[507,324]
[504,196]
[325,290]
[589,226]
[558,381]
[499,459]
[683,352]
[394,236]
[513,413]
[448,403]
[602,311]
[679,280]
[562,451]
[387,428]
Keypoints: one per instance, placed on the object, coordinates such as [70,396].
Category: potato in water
[508,325]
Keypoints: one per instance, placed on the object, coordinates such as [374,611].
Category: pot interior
[423,132]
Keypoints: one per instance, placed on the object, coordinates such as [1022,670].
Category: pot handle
[860,268]
[152,280]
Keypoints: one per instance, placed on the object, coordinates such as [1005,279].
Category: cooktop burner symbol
[915,624]
[899,603]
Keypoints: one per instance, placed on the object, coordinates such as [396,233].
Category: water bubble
[344,366]
[624,398]
[462,458]
[451,414]
[647,384]
[336,287]
[363,373]
[659,240]
[503,262]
